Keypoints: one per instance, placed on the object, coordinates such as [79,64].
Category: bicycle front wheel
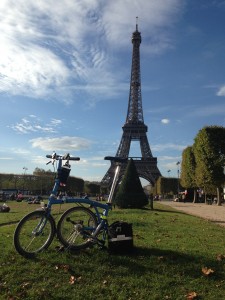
[34,233]
[75,227]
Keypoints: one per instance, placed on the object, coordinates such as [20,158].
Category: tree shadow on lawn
[173,211]
[140,262]
[145,260]
[160,210]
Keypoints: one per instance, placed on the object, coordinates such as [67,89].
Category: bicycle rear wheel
[75,227]
[34,233]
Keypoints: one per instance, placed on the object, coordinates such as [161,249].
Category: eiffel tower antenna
[134,128]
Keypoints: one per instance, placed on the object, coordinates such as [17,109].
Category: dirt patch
[212,212]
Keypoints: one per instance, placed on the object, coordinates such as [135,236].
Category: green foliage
[203,163]
[188,166]
[91,188]
[41,172]
[165,186]
[209,151]
[40,183]
[75,184]
[131,193]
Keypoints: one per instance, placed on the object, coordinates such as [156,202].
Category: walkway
[212,212]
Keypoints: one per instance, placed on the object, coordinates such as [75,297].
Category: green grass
[171,248]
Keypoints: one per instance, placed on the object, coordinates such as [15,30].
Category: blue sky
[65,74]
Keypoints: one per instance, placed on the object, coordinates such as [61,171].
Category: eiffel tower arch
[134,128]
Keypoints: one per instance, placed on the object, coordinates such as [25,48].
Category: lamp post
[25,169]
[178,177]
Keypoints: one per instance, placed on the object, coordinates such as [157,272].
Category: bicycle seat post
[117,171]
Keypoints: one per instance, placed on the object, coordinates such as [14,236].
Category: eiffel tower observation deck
[134,128]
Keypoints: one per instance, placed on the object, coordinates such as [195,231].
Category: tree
[188,166]
[39,172]
[165,186]
[131,193]
[209,151]
[91,188]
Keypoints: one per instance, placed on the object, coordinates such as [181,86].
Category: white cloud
[65,143]
[53,48]
[221,91]
[20,151]
[209,110]
[33,124]
[56,122]
[168,146]
[165,121]
[168,158]
[155,18]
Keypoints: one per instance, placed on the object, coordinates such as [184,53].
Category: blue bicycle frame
[35,231]
[95,205]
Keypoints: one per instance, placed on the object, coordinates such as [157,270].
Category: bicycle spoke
[80,222]
[34,233]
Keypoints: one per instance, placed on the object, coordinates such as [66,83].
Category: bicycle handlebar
[68,157]
[63,157]
[116,159]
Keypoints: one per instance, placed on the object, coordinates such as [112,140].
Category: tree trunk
[218,196]
[195,195]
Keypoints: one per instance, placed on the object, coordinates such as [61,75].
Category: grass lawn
[176,256]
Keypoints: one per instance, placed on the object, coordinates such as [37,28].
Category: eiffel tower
[134,128]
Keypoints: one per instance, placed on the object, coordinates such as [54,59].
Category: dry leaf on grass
[161,258]
[63,267]
[74,279]
[207,271]
[220,257]
[191,296]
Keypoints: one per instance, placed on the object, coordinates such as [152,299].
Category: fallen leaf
[220,257]
[66,267]
[191,296]
[63,267]
[72,280]
[207,271]
[161,258]
[25,284]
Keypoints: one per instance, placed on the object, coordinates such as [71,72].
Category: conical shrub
[130,193]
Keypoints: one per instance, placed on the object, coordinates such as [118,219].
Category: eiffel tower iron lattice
[134,128]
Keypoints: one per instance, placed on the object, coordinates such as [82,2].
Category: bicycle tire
[34,233]
[75,227]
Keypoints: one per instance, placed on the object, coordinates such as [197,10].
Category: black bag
[120,237]
[63,174]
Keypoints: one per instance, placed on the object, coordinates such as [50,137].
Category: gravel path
[212,212]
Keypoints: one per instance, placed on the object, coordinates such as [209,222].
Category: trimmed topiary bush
[131,193]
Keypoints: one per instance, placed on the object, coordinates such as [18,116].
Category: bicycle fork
[101,226]
[104,223]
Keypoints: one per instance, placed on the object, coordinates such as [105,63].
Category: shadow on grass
[174,211]
[145,260]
